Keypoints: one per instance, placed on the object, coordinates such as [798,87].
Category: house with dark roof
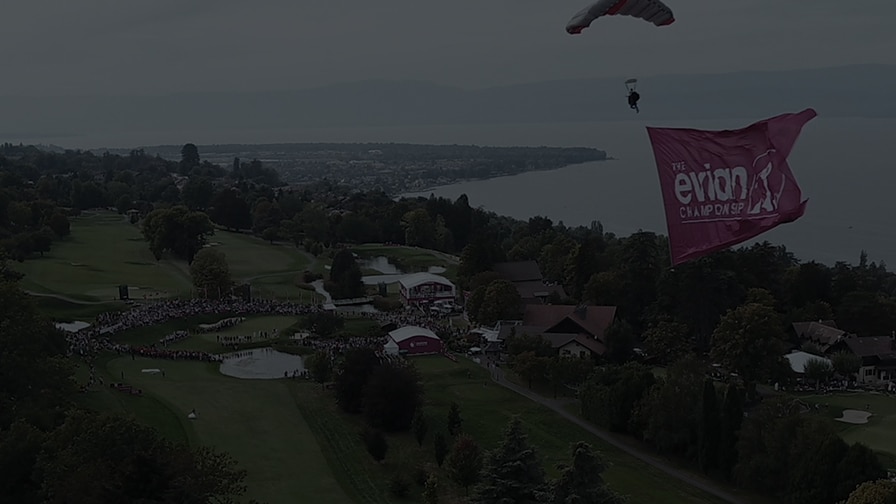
[571,330]
[878,354]
[823,333]
[529,282]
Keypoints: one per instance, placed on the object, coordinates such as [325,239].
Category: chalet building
[419,288]
[527,278]
[572,330]
[878,354]
[823,334]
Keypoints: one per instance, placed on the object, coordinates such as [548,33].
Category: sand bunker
[260,364]
[854,416]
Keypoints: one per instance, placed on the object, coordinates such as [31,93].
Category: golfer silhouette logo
[768,185]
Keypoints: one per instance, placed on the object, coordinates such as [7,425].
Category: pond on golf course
[261,364]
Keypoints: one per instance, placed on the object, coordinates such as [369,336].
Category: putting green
[256,421]
[879,433]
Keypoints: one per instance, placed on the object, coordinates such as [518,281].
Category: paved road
[625,445]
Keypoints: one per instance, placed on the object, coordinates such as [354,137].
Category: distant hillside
[858,91]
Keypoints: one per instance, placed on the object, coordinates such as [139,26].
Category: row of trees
[53,450]
[630,272]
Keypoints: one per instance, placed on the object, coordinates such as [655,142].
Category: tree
[431,490]
[357,366]
[440,447]
[58,222]
[211,273]
[668,340]
[455,422]
[581,481]
[847,364]
[420,426]
[708,428]
[501,302]
[729,426]
[392,396]
[375,443]
[464,462]
[873,492]
[120,460]
[230,210]
[620,340]
[666,423]
[818,371]
[320,366]
[529,367]
[177,230]
[512,472]
[189,157]
[749,341]
[345,276]
[197,193]
[35,376]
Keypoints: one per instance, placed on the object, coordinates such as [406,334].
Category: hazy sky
[163,46]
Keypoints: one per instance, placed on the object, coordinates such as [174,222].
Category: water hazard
[261,364]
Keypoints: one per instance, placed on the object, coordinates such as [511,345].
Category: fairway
[256,421]
[104,251]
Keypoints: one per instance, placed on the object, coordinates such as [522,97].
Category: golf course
[288,433]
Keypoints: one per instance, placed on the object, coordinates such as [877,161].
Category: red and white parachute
[652,11]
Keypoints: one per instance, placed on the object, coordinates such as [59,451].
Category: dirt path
[623,444]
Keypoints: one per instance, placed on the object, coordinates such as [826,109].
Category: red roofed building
[413,340]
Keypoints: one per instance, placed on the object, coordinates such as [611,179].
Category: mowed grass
[102,252]
[250,257]
[255,421]
[486,408]
[299,447]
[879,433]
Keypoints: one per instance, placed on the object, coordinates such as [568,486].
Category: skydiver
[633,98]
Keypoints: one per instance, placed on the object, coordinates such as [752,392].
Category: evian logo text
[726,193]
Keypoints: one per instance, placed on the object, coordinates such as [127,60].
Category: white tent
[391,348]
[798,360]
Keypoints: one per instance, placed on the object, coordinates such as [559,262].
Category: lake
[842,164]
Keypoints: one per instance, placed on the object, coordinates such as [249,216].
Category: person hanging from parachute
[633,95]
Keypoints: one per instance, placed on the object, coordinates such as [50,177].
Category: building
[571,330]
[413,340]
[824,333]
[798,361]
[527,278]
[426,288]
[878,354]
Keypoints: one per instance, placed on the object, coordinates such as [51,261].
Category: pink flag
[721,188]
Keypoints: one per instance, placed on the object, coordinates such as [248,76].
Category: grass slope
[105,250]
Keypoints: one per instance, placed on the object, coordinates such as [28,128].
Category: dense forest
[734,308]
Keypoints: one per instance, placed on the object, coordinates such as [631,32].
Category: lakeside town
[391,167]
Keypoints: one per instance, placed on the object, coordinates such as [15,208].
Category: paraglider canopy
[631,85]
[653,11]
